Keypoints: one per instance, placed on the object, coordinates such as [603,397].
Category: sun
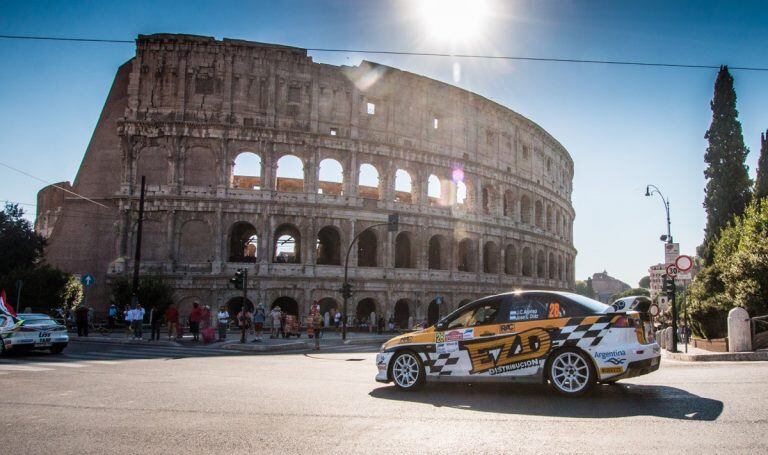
[453,20]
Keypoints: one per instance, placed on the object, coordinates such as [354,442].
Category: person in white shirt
[223,318]
[137,320]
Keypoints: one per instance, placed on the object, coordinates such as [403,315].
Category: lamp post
[649,191]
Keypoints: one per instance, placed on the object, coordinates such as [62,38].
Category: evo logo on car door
[509,353]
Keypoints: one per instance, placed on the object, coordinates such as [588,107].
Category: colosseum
[257,157]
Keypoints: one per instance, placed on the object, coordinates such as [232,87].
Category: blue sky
[624,126]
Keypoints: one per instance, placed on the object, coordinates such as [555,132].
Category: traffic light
[670,287]
[237,280]
[346,290]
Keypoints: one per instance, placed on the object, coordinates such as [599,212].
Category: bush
[44,288]
[152,291]
[630,292]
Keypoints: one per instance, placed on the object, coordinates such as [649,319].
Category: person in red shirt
[172,318]
[194,321]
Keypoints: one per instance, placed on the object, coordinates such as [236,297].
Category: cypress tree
[761,183]
[728,183]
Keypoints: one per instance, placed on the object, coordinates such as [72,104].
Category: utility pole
[137,254]
[243,327]
[650,190]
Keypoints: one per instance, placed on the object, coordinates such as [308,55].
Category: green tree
[728,182]
[630,292]
[645,282]
[761,182]
[44,288]
[152,291]
[20,246]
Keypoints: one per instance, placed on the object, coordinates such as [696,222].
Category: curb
[719,357]
[366,341]
[107,340]
[266,348]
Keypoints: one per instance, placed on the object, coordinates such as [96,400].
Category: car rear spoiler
[639,303]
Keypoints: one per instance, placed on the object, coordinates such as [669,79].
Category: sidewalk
[700,355]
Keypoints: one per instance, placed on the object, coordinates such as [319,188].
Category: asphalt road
[127,399]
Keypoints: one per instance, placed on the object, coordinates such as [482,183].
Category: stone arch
[290,174]
[328,305]
[510,260]
[287,244]
[199,167]
[490,257]
[404,251]
[328,246]
[462,194]
[527,262]
[550,220]
[489,199]
[560,267]
[287,304]
[434,190]
[330,177]
[437,253]
[365,307]
[539,214]
[551,267]
[467,260]
[247,172]
[433,312]
[235,304]
[525,210]
[195,242]
[369,182]
[154,236]
[509,203]
[559,223]
[243,242]
[367,247]
[153,164]
[402,313]
[403,187]
[541,264]
[568,268]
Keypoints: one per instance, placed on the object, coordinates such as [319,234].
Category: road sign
[671,270]
[684,263]
[653,310]
[88,280]
[671,252]
[684,275]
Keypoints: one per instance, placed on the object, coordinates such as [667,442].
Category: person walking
[222,317]
[275,315]
[111,316]
[172,319]
[155,318]
[391,324]
[243,321]
[194,321]
[316,320]
[128,319]
[81,320]
[205,320]
[337,320]
[138,321]
[258,323]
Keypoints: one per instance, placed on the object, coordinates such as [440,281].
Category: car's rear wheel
[571,373]
[407,371]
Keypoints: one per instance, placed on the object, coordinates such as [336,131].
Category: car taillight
[623,322]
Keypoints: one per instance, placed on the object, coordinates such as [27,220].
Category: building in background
[605,286]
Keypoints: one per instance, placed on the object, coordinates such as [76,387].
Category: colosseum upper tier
[255,156]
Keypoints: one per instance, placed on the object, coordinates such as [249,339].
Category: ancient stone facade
[482,193]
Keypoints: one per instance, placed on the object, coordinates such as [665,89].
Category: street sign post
[684,263]
[671,252]
[88,280]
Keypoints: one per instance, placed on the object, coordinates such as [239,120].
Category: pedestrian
[205,321]
[317,324]
[275,315]
[194,321]
[391,324]
[337,320]
[81,319]
[111,316]
[243,321]
[172,319]
[155,318]
[372,322]
[223,322]
[258,323]
[128,318]
[138,321]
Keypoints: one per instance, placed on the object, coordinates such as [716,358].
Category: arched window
[330,177]
[541,264]
[488,199]
[550,222]
[243,243]
[560,267]
[403,251]
[527,262]
[368,183]
[461,193]
[328,246]
[402,313]
[287,247]
[287,304]
[433,312]
[363,311]
[539,213]
[510,260]
[366,249]
[568,268]
[467,256]
[438,257]
[525,209]
[434,190]
[490,258]
[290,174]
[559,224]
[403,187]
[509,203]
[246,172]
[552,267]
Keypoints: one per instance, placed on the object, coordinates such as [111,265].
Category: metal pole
[244,306]
[137,254]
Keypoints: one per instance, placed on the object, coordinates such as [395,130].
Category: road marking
[22,368]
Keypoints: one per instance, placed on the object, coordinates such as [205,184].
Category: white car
[565,339]
[38,331]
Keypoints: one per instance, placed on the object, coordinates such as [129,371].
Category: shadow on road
[605,401]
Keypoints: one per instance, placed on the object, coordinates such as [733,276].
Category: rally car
[37,331]
[567,340]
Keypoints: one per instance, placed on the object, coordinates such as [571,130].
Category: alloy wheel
[570,372]
[406,370]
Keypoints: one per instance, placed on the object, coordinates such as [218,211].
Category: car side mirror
[441,325]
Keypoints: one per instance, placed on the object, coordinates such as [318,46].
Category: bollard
[739,331]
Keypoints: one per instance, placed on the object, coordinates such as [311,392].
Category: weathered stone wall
[194,105]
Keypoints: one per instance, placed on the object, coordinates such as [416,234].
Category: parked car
[567,340]
[38,331]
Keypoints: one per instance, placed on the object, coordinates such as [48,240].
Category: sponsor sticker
[447,347]
[523,314]
[611,370]
[405,340]
[487,355]
[507,328]
[516,366]
[612,357]
[439,337]
[468,334]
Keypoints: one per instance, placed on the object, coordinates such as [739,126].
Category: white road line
[58,364]
[21,368]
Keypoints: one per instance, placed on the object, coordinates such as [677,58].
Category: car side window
[527,308]
[482,313]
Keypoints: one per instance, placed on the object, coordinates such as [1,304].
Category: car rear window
[588,305]
[37,320]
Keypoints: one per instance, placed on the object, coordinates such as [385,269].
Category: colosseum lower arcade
[255,156]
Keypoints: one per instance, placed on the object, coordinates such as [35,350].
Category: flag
[6,307]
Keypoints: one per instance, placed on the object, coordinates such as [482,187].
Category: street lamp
[649,191]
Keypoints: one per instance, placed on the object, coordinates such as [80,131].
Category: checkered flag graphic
[440,364]
[576,333]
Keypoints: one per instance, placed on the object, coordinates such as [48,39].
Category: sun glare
[453,20]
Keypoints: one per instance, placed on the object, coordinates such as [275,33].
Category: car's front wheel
[571,373]
[407,371]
